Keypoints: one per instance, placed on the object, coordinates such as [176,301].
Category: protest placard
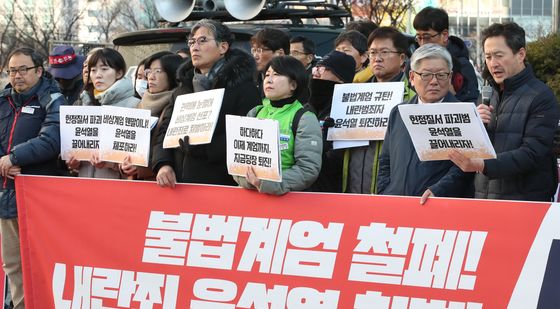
[195,115]
[79,131]
[361,111]
[253,142]
[436,128]
[125,132]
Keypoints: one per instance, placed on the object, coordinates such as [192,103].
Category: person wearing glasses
[303,49]
[265,45]
[300,148]
[432,26]
[388,51]
[30,147]
[213,65]
[521,120]
[106,85]
[160,74]
[400,170]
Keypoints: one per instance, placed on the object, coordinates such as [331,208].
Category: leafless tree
[125,15]
[132,20]
[379,11]
[22,26]
[7,33]
[107,17]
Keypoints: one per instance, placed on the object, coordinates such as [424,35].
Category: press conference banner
[90,243]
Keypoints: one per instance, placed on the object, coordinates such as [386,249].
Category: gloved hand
[184,145]
[328,123]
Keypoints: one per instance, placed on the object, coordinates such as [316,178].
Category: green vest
[285,116]
[407,96]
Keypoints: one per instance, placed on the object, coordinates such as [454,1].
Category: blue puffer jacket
[29,131]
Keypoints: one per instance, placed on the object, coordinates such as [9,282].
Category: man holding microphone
[521,117]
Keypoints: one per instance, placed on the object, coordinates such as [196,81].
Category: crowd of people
[281,79]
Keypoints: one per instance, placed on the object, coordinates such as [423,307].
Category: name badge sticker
[28,110]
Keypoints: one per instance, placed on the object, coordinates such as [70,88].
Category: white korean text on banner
[436,128]
[361,111]
[200,246]
[253,142]
[195,115]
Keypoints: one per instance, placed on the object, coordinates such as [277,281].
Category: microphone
[486,94]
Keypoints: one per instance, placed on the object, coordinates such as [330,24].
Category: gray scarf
[202,82]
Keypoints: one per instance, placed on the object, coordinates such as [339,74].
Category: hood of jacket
[457,48]
[120,91]
[239,67]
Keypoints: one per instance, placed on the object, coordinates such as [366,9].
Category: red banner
[122,244]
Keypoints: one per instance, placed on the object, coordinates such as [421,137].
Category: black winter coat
[402,173]
[524,120]
[207,163]
[30,132]
[469,92]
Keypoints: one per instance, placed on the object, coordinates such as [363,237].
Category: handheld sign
[79,131]
[361,111]
[195,115]
[253,142]
[436,128]
[125,132]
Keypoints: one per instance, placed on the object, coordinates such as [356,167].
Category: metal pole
[478,34]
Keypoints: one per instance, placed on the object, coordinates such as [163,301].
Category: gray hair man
[400,169]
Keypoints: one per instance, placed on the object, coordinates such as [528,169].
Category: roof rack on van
[293,10]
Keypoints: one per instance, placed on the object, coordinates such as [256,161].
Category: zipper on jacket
[11,138]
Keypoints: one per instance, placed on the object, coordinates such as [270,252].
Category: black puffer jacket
[30,132]
[524,120]
[207,163]
[469,92]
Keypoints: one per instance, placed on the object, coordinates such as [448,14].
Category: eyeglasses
[429,76]
[259,50]
[318,70]
[425,36]
[200,41]
[21,70]
[297,53]
[382,54]
[156,71]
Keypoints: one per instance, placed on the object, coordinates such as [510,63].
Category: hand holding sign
[185,145]
[465,163]
[128,168]
[252,177]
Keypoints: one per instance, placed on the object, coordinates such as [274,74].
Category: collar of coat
[513,83]
[239,67]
